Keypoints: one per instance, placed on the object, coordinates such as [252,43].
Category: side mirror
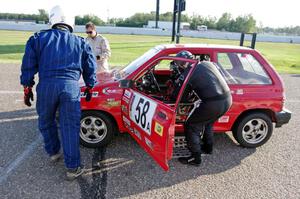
[126,83]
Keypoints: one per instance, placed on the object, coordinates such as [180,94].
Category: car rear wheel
[253,130]
[96,129]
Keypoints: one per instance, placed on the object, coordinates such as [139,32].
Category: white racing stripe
[20,158]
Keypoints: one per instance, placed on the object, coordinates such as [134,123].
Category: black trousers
[202,120]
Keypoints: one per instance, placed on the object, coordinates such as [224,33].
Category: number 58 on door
[142,110]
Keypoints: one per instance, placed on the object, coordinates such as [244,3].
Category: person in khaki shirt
[100,47]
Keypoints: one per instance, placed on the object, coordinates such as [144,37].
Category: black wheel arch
[267,112]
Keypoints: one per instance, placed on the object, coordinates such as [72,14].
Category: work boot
[207,149]
[72,174]
[194,159]
[55,158]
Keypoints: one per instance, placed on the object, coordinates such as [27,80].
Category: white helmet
[58,16]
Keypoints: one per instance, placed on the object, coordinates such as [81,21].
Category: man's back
[207,81]
[58,54]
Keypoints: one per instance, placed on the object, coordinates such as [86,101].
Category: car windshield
[134,65]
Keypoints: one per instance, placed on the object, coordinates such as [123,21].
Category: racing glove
[28,95]
[88,94]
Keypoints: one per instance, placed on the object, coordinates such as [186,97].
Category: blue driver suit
[59,57]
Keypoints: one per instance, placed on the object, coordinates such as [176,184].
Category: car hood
[102,78]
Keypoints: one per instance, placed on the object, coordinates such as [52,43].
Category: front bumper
[282,117]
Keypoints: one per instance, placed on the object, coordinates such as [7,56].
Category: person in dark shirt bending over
[211,88]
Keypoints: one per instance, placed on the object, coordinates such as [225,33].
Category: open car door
[151,122]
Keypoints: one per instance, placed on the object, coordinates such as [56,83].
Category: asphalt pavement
[124,170]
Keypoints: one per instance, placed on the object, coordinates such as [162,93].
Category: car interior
[158,83]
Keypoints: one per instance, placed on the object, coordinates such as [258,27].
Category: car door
[152,122]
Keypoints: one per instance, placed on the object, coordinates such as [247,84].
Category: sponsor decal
[131,129]
[137,133]
[239,92]
[124,109]
[224,119]
[94,94]
[149,143]
[126,121]
[112,102]
[108,91]
[126,100]
[127,93]
[158,128]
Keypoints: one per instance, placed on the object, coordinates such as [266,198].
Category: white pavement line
[14,164]
[19,101]
[293,101]
[18,119]
[11,92]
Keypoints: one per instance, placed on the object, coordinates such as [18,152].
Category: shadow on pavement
[18,129]
[132,171]
[295,75]
[97,187]
[120,170]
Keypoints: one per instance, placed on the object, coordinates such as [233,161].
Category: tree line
[226,22]
[243,23]
[42,16]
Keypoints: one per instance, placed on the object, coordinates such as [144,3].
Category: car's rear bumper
[282,117]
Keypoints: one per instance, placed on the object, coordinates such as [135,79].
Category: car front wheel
[253,130]
[96,129]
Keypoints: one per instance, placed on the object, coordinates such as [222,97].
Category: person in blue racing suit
[211,88]
[59,57]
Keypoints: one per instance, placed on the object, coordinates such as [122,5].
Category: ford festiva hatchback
[136,100]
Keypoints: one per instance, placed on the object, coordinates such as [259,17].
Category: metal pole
[157,14]
[174,21]
[253,40]
[178,22]
[242,39]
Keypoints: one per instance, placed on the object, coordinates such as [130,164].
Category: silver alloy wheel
[92,129]
[255,131]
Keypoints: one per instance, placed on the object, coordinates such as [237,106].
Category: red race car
[136,100]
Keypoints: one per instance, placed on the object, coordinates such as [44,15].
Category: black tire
[261,123]
[100,119]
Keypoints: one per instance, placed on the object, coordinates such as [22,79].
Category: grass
[125,48]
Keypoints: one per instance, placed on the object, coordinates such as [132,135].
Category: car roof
[211,46]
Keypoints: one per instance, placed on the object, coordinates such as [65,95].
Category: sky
[273,13]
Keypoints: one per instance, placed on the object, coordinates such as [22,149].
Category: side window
[244,68]
[224,61]
[250,64]
[163,65]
